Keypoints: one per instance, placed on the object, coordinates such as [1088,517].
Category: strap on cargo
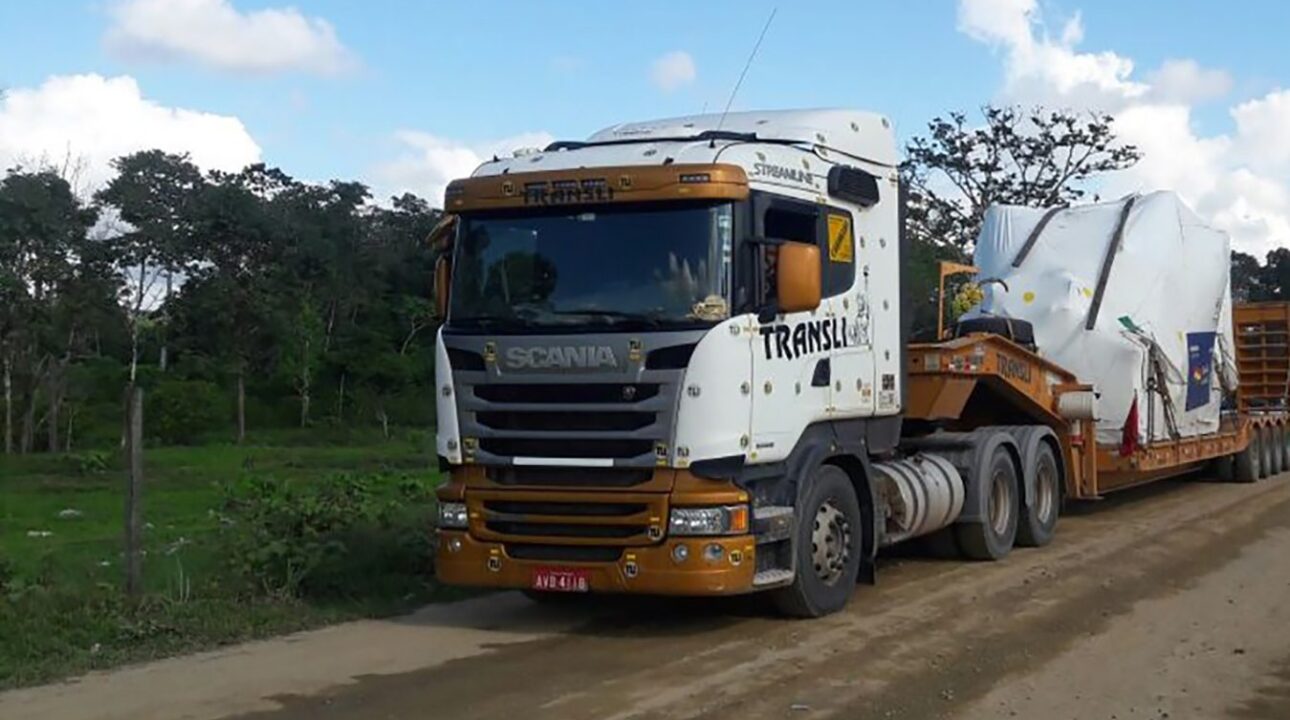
[1034,235]
[1107,260]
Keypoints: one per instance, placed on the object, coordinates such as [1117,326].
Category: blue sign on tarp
[1200,368]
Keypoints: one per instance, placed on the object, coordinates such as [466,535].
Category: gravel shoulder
[1162,602]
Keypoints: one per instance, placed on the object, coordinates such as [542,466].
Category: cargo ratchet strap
[1033,238]
[1105,275]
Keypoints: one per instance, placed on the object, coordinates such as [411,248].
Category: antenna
[747,65]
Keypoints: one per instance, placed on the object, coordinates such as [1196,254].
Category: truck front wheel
[826,547]
[992,538]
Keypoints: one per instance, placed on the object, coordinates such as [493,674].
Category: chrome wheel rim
[830,542]
[1000,502]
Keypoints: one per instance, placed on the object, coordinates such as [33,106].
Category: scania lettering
[675,360]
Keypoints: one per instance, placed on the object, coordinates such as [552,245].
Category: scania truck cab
[673,362]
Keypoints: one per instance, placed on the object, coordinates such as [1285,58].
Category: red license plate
[561,580]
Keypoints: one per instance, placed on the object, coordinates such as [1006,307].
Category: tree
[1038,159]
[237,250]
[1035,158]
[1247,278]
[43,229]
[154,193]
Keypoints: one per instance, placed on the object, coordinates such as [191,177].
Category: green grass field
[61,538]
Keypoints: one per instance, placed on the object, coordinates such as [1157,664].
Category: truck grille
[573,518]
[574,477]
[567,447]
[623,414]
[564,553]
[564,421]
[567,393]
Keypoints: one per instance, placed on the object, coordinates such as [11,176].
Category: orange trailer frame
[986,379]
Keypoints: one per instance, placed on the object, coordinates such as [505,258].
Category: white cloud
[1039,68]
[215,34]
[428,162]
[672,70]
[1236,180]
[91,120]
[1263,131]
[1187,82]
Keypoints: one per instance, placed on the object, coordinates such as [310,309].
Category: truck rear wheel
[1038,520]
[827,547]
[993,537]
[1249,461]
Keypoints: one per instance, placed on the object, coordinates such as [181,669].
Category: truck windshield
[626,267]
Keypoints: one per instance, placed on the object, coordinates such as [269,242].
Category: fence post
[134,491]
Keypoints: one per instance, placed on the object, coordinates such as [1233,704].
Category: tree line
[248,299]
[256,299]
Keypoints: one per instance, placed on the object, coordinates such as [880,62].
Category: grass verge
[240,542]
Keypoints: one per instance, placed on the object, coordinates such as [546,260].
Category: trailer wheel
[1269,459]
[1038,522]
[827,547]
[1249,461]
[993,538]
[1283,438]
[1279,448]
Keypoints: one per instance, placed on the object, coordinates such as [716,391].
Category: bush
[181,411]
[340,536]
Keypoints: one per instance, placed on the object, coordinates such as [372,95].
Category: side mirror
[442,280]
[797,281]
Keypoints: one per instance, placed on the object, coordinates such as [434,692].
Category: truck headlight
[719,520]
[452,515]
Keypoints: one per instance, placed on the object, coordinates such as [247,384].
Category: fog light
[454,545]
[453,515]
[680,553]
[713,552]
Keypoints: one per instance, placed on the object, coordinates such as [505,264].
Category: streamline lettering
[814,336]
[780,172]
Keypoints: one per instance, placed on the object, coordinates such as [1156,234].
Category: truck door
[792,384]
[846,280]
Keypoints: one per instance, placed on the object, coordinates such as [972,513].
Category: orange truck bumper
[651,570]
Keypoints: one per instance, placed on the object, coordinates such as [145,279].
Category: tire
[1278,442]
[1267,457]
[827,544]
[1222,469]
[1283,435]
[1248,464]
[1038,521]
[993,538]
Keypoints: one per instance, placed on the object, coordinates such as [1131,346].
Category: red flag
[1129,441]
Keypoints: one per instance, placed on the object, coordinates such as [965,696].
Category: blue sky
[468,75]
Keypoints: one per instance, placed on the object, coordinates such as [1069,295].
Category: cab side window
[830,228]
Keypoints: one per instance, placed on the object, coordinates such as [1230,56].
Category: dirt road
[1168,602]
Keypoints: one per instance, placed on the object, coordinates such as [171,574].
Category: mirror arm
[769,312]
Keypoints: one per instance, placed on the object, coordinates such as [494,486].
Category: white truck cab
[672,362]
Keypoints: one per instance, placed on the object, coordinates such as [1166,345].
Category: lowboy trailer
[675,361]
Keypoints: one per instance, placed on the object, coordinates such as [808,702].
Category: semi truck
[675,359]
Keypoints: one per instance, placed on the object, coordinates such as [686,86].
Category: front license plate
[561,580]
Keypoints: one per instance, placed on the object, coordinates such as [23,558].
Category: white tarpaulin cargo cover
[1167,283]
